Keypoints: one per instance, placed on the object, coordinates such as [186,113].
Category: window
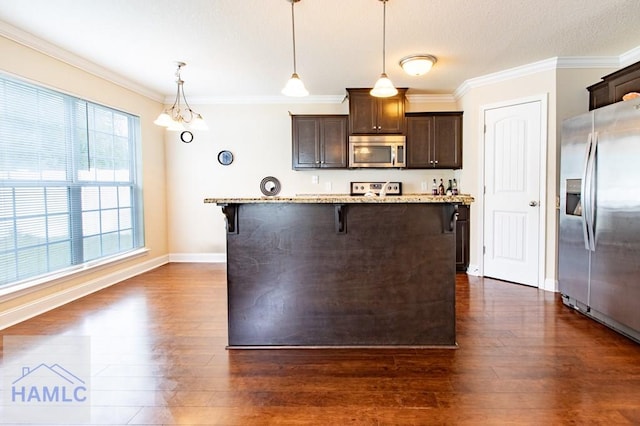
[69,182]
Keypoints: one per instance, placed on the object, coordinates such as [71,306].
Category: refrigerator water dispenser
[573,197]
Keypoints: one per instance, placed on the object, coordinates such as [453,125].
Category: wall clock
[186,136]
[225,158]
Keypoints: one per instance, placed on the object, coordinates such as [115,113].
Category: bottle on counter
[441,188]
[449,190]
[454,187]
[434,188]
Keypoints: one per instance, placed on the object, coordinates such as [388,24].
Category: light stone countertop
[346,199]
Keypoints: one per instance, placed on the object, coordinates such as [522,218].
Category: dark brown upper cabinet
[371,115]
[614,86]
[319,141]
[434,140]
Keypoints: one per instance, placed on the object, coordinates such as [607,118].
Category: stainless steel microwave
[377,151]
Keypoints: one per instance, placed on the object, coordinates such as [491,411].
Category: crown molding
[588,62]
[630,57]
[540,66]
[508,74]
[31,41]
[245,100]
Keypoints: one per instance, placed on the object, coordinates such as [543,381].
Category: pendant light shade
[175,117]
[295,86]
[383,87]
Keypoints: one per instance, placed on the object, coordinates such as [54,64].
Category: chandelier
[176,117]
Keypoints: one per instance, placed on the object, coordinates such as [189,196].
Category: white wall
[259,136]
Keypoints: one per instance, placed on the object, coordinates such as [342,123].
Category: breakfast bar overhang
[341,271]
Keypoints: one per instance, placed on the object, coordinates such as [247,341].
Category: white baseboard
[198,257]
[550,285]
[52,301]
[473,270]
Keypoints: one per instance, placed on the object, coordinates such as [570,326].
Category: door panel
[447,141]
[615,266]
[334,142]
[512,192]
[573,257]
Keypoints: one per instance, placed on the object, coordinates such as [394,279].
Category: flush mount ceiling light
[174,118]
[418,64]
[383,87]
[295,86]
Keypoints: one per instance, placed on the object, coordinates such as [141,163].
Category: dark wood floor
[159,357]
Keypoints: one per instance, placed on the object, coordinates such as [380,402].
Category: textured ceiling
[243,48]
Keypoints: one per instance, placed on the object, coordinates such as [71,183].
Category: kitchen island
[318,271]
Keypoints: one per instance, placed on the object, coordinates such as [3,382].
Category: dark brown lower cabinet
[462,239]
[360,274]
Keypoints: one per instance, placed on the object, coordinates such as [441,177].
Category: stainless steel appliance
[599,238]
[376,188]
[379,151]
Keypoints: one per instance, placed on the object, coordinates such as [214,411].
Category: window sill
[21,288]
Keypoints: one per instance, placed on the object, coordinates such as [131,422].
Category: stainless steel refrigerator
[599,238]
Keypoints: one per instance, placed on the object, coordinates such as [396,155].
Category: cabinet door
[598,95]
[362,113]
[369,115]
[390,114]
[306,142]
[419,137]
[333,142]
[447,141]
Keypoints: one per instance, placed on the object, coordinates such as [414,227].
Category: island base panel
[385,276]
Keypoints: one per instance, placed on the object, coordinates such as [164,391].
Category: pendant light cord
[293,28]
[384,34]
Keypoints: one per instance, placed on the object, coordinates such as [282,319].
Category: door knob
[533,203]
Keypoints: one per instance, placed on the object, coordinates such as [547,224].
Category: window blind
[69,184]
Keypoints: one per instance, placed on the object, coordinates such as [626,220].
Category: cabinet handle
[436,161]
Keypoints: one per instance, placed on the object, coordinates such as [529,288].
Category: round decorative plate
[225,158]
[186,136]
[270,186]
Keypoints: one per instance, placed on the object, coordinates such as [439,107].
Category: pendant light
[295,86]
[383,87]
[174,118]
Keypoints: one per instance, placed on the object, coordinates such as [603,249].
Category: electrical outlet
[327,186]
[315,179]
[424,186]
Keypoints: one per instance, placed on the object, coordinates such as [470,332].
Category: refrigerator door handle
[592,192]
[584,190]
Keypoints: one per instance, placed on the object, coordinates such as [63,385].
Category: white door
[513,137]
